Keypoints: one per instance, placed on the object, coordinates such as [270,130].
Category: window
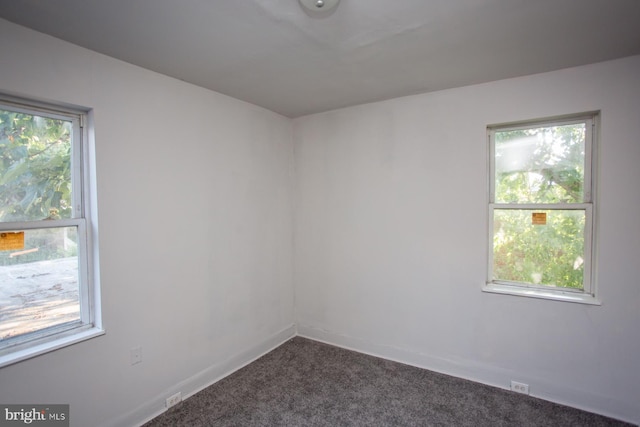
[47,291]
[541,208]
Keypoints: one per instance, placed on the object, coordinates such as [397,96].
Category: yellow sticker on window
[10,241]
[539,218]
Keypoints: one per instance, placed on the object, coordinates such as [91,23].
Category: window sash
[77,141]
[588,245]
[588,160]
[85,291]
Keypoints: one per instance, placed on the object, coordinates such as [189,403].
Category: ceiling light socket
[319,6]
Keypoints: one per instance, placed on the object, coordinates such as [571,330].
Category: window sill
[555,295]
[19,354]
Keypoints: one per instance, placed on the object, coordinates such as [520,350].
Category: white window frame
[588,294]
[83,218]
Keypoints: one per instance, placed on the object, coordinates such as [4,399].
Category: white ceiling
[273,54]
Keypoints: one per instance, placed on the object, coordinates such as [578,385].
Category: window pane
[38,281]
[539,247]
[35,167]
[540,164]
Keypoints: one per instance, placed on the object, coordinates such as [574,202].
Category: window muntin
[45,291]
[541,207]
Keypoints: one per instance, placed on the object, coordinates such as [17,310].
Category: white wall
[195,213]
[391,237]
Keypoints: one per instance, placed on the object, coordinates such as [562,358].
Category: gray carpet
[306,383]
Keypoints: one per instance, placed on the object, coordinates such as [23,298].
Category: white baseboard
[481,373]
[202,380]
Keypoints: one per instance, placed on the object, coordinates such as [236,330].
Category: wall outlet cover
[173,400]
[519,387]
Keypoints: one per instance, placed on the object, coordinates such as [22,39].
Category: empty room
[319,212]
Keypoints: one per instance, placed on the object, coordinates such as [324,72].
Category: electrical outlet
[519,387]
[173,400]
[136,355]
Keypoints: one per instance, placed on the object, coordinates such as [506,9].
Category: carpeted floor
[306,383]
